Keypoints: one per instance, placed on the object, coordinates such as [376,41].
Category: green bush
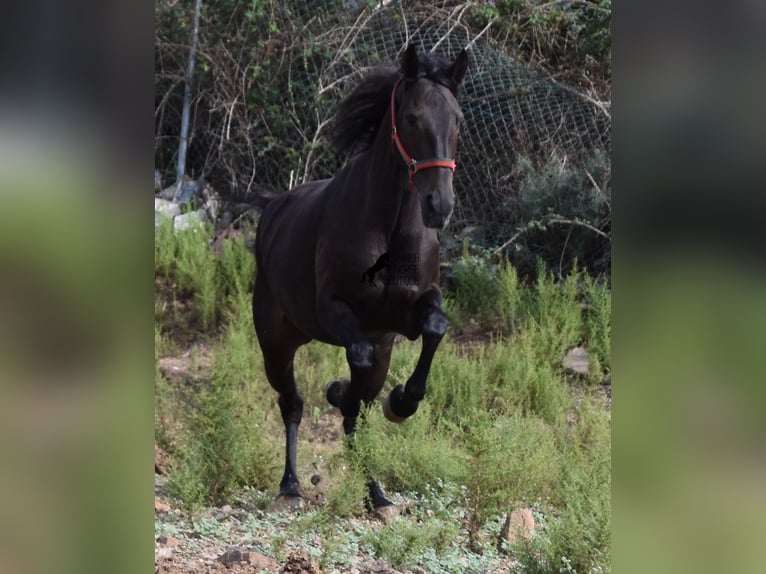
[476,291]
[558,213]
[511,459]
[412,455]
[520,382]
[227,430]
[214,283]
[577,535]
[401,541]
[500,425]
[598,326]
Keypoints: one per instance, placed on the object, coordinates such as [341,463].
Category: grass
[503,425]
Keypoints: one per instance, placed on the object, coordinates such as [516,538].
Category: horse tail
[252,200]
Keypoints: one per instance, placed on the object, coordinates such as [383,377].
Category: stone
[232,556]
[520,524]
[164,553]
[261,562]
[166,207]
[161,507]
[577,361]
[386,513]
[191,220]
[168,540]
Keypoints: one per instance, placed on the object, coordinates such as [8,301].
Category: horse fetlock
[289,487]
[360,355]
[398,407]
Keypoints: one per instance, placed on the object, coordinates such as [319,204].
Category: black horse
[382,201]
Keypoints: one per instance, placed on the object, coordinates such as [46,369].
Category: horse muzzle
[437,209]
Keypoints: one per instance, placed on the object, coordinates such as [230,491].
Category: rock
[315,479]
[161,507]
[232,556]
[379,567]
[165,208]
[168,540]
[191,220]
[386,513]
[520,524]
[163,553]
[261,562]
[300,563]
[577,361]
[189,190]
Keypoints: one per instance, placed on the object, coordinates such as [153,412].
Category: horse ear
[410,62]
[458,68]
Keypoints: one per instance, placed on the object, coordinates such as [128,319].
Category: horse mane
[360,113]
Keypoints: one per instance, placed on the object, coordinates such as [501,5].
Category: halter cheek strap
[413,165]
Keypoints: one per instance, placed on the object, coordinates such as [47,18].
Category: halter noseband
[413,165]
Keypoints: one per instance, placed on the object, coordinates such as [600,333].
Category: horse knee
[360,355]
[291,407]
[435,323]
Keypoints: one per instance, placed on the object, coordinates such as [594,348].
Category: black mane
[360,113]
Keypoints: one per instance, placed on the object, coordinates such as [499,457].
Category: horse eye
[411,119]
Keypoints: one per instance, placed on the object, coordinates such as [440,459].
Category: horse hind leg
[279,341]
[348,396]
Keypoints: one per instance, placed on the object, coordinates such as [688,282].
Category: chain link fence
[255,133]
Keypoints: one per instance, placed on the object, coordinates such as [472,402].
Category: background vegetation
[270,73]
[504,425]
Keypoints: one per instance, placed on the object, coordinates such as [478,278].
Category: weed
[499,425]
[512,459]
[401,541]
[410,455]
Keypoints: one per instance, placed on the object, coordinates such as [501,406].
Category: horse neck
[390,205]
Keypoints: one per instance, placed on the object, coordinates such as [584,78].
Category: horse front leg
[342,326]
[403,401]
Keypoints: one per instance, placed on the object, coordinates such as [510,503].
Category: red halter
[414,165]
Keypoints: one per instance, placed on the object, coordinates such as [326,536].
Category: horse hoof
[386,513]
[334,391]
[389,414]
[287,502]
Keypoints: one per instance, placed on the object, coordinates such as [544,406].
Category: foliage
[569,37]
[501,427]
[270,73]
[558,214]
[226,439]
[214,283]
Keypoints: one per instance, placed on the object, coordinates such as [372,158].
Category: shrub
[412,455]
[226,431]
[511,459]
